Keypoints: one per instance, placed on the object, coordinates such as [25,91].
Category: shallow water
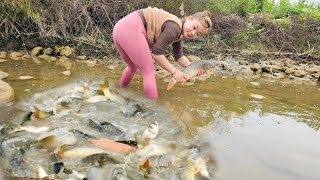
[273,138]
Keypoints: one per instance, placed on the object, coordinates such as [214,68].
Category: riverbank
[232,63]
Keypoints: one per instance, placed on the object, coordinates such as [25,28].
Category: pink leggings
[129,36]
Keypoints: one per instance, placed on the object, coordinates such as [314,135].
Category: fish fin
[104,85]
[37,112]
[147,141]
[146,164]
[59,152]
[171,84]
[60,155]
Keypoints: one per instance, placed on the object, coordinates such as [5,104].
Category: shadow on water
[272,138]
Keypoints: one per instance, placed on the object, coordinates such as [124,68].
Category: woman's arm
[184,61]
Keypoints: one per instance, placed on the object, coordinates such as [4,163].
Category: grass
[282,9]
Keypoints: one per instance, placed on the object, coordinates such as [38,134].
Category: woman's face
[192,28]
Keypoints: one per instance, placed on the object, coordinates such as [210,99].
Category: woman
[143,36]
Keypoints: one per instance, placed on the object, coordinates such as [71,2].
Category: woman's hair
[205,19]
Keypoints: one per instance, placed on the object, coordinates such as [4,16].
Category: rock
[53,58]
[225,65]
[315,75]
[299,73]
[239,78]
[48,51]
[243,62]
[279,75]
[6,92]
[257,96]
[35,59]
[66,51]
[63,58]
[90,63]
[289,71]
[36,51]
[25,77]
[287,62]
[255,67]
[3,75]
[275,68]
[274,62]
[312,70]
[26,57]
[193,58]
[15,55]
[45,57]
[3,54]
[255,83]
[266,68]
[66,73]
[81,57]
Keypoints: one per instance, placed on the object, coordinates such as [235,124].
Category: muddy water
[272,138]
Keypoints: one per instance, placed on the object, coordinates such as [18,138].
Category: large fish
[76,153]
[113,146]
[31,129]
[192,70]
[12,128]
[106,127]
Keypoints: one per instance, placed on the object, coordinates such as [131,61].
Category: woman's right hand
[179,76]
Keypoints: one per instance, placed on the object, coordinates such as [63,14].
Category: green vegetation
[282,9]
[252,24]
[241,7]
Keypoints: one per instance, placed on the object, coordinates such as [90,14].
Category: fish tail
[171,83]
